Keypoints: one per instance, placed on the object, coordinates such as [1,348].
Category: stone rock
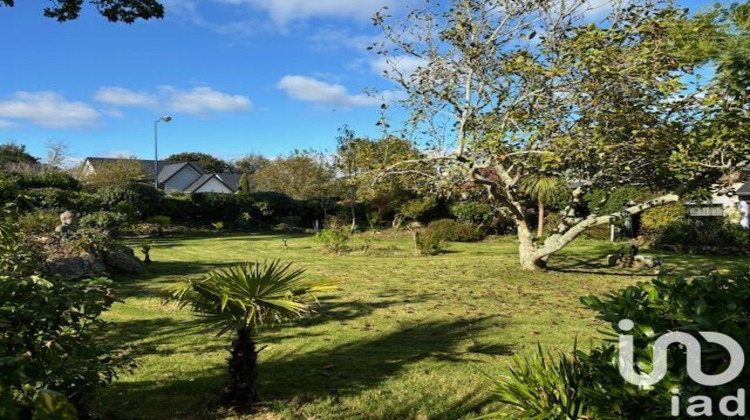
[640,261]
[121,259]
[613,259]
[77,267]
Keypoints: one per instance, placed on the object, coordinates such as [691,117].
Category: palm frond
[251,295]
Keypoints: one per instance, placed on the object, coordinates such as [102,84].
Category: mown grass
[404,337]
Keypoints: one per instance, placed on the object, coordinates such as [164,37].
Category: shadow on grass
[289,380]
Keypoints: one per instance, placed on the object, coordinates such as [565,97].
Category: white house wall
[181,180]
[214,186]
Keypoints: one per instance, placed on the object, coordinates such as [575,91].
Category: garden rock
[76,267]
[639,261]
[613,259]
[121,259]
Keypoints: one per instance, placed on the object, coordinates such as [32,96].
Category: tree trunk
[530,258]
[540,222]
[243,370]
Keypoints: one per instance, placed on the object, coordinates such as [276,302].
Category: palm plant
[541,186]
[242,299]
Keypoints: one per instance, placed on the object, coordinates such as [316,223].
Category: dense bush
[50,343]
[449,230]
[429,243]
[52,179]
[657,219]
[591,380]
[39,222]
[709,236]
[333,240]
[142,199]
[108,222]
[49,198]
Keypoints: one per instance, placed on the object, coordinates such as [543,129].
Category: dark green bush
[39,222]
[56,179]
[52,336]
[142,199]
[333,240]
[50,198]
[449,230]
[697,237]
[108,222]
[429,243]
[657,219]
[591,380]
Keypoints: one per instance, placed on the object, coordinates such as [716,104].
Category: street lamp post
[166,119]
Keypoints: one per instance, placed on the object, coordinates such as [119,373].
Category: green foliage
[141,199]
[163,221]
[333,239]
[448,230]
[110,223]
[48,179]
[713,303]
[598,200]
[475,211]
[210,164]
[589,384]
[658,219]
[429,243]
[244,184]
[416,208]
[50,198]
[52,329]
[15,153]
[251,295]
[127,11]
[696,236]
[39,222]
[544,386]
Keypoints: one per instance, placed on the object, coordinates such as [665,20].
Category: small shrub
[333,240]
[142,199]
[449,230]
[555,381]
[430,243]
[218,225]
[49,198]
[108,222]
[38,222]
[691,236]
[53,179]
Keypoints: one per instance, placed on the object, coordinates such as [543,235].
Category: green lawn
[404,337]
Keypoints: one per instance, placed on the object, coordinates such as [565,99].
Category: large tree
[210,164]
[504,83]
[127,11]
[304,175]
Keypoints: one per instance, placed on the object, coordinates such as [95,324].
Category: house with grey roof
[183,177]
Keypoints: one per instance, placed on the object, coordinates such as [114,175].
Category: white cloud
[309,89]
[123,97]
[285,11]
[47,109]
[199,100]
[202,100]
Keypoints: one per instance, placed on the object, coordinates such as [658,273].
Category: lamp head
[166,118]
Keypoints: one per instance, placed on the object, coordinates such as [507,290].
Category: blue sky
[238,76]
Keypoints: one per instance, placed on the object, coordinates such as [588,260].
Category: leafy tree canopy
[15,153]
[127,11]
[210,164]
